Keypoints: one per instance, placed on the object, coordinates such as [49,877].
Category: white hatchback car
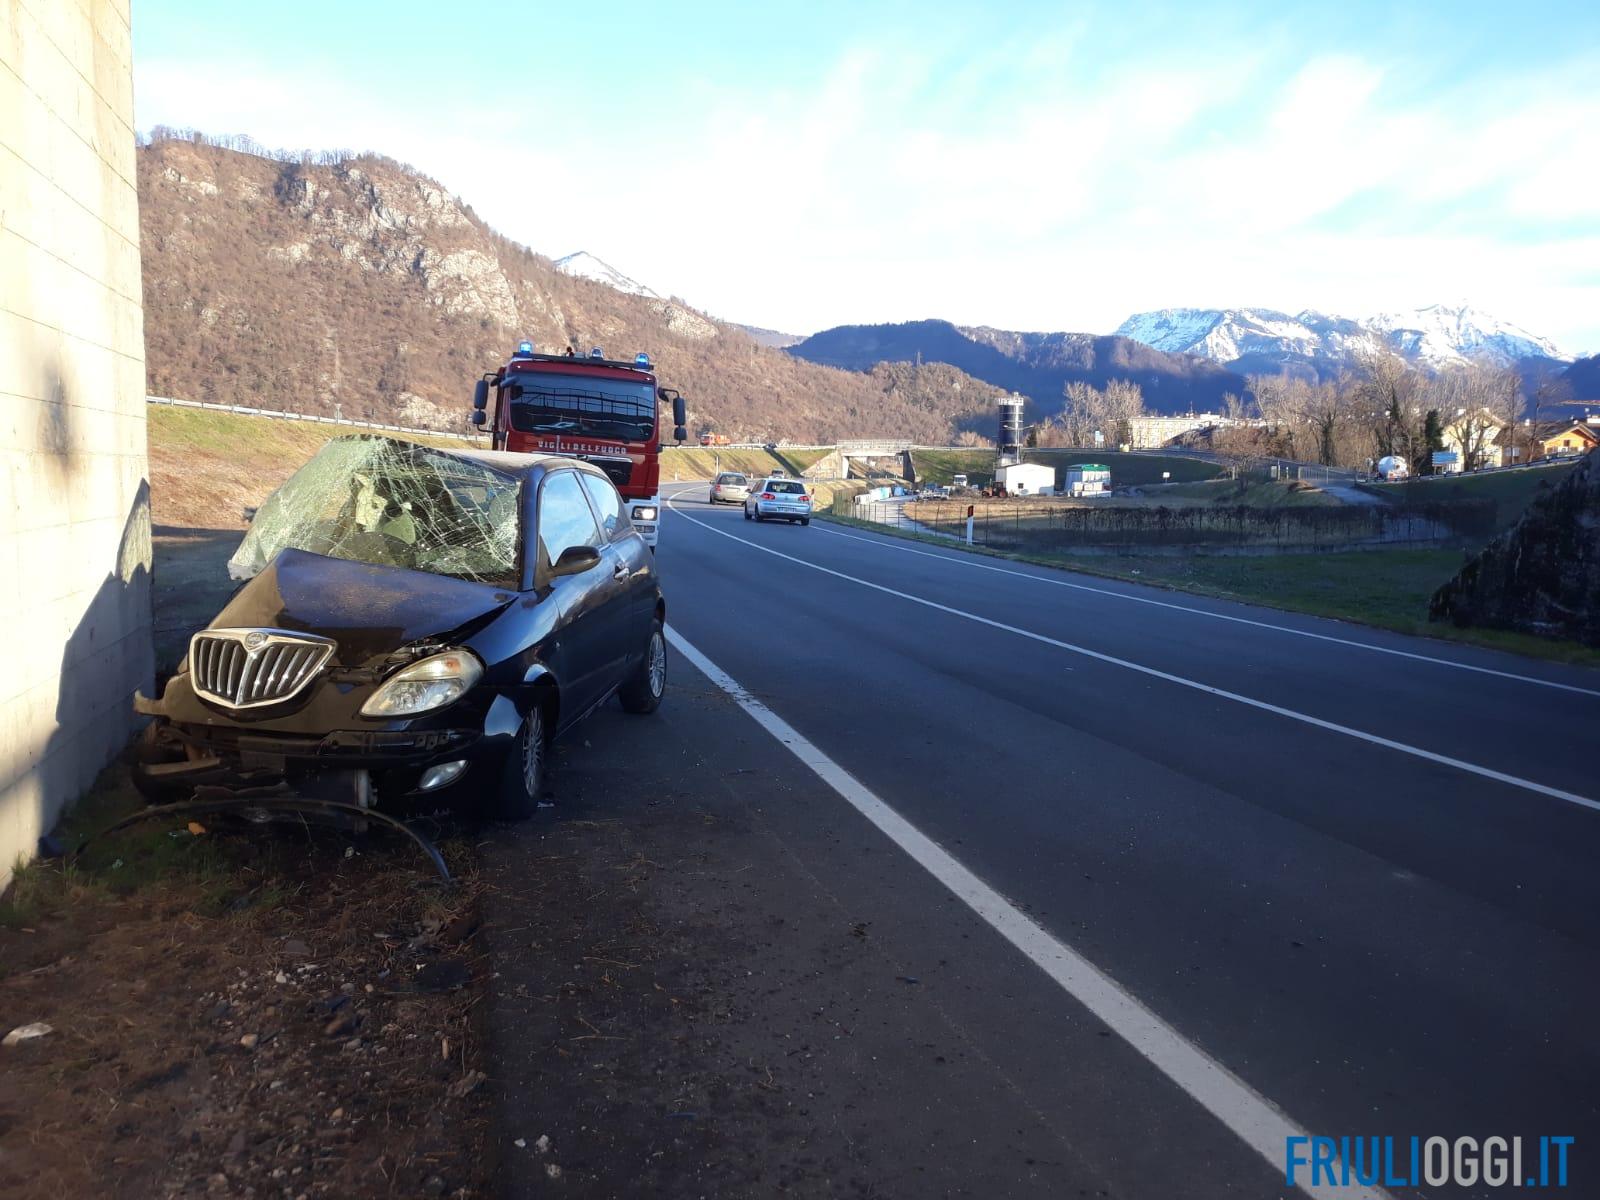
[779,500]
[730,487]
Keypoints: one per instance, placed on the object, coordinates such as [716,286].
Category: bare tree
[1507,407]
[1121,402]
[1471,401]
[1387,394]
[1079,413]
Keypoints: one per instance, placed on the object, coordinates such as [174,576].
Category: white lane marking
[967,561]
[1259,1123]
[1182,681]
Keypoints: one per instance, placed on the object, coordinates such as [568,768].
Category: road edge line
[1250,1116]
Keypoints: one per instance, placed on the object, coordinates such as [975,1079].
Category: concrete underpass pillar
[74,492]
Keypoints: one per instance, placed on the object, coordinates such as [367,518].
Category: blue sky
[1029,165]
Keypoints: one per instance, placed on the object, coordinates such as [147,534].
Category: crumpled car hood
[369,610]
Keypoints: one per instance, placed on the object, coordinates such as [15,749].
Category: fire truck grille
[248,668]
[619,471]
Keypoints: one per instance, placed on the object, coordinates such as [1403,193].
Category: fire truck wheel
[643,692]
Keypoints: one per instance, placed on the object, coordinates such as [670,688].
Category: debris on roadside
[26,1033]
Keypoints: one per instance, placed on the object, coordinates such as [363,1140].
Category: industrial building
[1026,479]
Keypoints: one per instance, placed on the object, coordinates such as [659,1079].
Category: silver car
[779,499]
[730,487]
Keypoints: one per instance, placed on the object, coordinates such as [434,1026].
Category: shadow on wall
[105,657]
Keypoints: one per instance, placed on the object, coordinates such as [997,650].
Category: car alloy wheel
[533,754]
[658,664]
[643,691]
[522,780]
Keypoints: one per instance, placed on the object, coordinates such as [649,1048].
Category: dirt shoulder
[239,1015]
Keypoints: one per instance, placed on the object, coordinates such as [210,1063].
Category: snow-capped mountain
[587,266]
[1255,339]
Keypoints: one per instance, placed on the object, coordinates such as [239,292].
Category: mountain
[584,265]
[359,285]
[1263,340]
[771,337]
[1581,381]
[1038,365]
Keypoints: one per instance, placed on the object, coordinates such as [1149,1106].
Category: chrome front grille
[248,668]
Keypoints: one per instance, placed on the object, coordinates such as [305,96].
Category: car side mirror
[477,417]
[480,397]
[575,560]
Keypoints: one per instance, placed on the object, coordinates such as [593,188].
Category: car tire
[759,517]
[645,688]
[747,512]
[805,520]
[527,770]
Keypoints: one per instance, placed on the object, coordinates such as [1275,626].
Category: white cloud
[1030,187]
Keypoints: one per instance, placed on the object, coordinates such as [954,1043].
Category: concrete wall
[74,501]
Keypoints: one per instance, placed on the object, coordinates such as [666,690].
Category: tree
[1078,413]
[1388,392]
[1477,397]
[1474,430]
[1432,442]
[1120,403]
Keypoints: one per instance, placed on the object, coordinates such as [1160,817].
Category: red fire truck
[591,408]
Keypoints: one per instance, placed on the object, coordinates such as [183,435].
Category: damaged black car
[416,625]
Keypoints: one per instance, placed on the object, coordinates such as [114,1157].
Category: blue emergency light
[641,359]
[524,347]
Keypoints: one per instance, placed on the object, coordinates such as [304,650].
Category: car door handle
[620,571]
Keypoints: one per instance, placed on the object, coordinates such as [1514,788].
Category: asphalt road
[1355,870]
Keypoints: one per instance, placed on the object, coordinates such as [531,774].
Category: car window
[564,517]
[731,479]
[607,504]
[786,486]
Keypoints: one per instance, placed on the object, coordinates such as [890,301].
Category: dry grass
[207,467]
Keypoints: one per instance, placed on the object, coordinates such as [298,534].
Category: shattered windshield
[394,504]
[583,406]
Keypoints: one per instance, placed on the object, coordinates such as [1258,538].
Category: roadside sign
[1445,457]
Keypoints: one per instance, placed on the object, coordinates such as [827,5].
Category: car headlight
[645,512]
[425,685]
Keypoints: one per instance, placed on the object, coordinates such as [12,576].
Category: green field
[1257,493]
[1511,491]
[702,462]
[1127,470]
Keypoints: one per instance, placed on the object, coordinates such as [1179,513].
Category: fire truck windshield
[585,407]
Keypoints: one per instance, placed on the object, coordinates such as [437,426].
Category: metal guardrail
[311,418]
